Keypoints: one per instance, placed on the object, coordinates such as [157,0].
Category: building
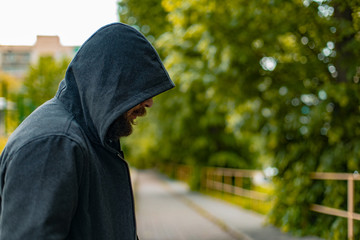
[15,60]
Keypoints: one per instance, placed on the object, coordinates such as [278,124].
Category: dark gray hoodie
[60,178]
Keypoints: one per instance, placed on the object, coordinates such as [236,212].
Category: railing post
[206,178]
[222,181]
[233,182]
[350,207]
[210,180]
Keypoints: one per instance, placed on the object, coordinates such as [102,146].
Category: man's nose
[148,103]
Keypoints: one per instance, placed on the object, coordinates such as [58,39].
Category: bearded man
[62,172]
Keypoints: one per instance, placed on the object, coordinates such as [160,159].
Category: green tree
[262,83]
[148,16]
[9,87]
[190,118]
[41,82]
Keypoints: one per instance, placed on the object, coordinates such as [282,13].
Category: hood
[113,71]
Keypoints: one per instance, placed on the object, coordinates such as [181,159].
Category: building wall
[15,60]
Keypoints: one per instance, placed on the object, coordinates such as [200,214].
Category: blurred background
[266,85]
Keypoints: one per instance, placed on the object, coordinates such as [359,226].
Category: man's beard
[122,127]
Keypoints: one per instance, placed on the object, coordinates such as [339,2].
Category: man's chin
[126,129]
[122,127]
[126,134]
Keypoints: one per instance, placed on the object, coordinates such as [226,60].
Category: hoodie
[60,177]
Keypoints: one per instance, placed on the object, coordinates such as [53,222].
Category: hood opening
[113,71]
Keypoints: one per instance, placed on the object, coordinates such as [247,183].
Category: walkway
[167,210]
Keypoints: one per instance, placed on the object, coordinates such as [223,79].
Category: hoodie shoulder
[50,119]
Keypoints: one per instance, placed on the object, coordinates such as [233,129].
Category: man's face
[122,127]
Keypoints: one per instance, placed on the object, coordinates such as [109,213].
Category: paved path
[167,210]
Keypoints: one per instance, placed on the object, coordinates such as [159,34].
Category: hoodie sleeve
[40,190]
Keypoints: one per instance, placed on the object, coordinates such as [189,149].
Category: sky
[72,20]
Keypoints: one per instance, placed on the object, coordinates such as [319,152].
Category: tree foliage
[42,80]
[259,83]
[9,87]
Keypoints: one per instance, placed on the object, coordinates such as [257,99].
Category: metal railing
[349,214]
[230,181]
[179,171]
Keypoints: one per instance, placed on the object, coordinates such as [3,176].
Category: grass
[262,207]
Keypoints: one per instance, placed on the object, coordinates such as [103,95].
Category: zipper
[119,155]
[131,191]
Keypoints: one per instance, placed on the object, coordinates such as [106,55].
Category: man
[62,172]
